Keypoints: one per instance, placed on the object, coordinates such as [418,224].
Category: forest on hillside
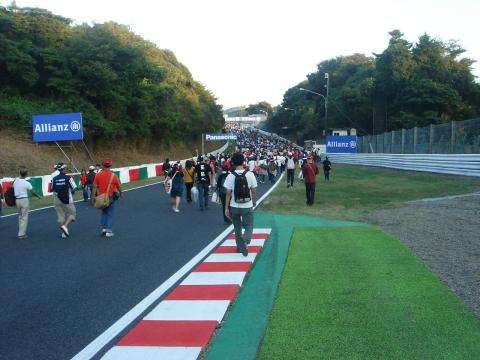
[124,85]
[406,85]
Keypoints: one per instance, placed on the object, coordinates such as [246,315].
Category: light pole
[325,98]
[327,85]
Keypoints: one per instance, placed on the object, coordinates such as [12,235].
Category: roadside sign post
[341,144]
[58,127]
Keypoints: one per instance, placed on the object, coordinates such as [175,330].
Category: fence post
[430,143]
[452,137]
[384,136]
[415,140]
[393,142]
[403,141]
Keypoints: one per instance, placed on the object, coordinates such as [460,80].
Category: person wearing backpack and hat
[240,200]
[63,187]
[104,180]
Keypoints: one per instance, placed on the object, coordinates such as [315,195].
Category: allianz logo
[45,128]
[339,144]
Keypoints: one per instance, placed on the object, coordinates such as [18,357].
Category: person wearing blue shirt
[63,188]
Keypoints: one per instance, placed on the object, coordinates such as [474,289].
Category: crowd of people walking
[229,179]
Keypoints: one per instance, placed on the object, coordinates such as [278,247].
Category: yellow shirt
[188,174]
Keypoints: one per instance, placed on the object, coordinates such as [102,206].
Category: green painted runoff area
[347,291]
[372,299]
[242,332]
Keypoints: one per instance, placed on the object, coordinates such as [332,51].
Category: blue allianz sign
[57,127]
[341,144]
[220,137]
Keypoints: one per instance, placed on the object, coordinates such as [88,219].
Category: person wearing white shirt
[290,170]
[21,187]
[241,209]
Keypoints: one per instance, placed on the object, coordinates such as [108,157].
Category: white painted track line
[214,278]
[235,257]
[152,353]
[189,310]
[254,242]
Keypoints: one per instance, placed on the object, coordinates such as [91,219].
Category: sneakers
[64,236]
[175,209]
[64,230]
[104,231]
[22,237]
[109,234]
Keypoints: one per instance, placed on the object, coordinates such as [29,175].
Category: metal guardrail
[454,164]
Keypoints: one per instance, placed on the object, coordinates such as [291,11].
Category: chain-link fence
[456,137]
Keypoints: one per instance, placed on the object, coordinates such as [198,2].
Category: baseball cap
[107,162]
[310,156]
[91,167]
[61,166]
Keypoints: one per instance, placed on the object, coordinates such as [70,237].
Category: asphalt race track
[57,295]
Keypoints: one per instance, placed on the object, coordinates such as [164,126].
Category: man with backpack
[21,187]
[203,176]
[63,187]
[242,197]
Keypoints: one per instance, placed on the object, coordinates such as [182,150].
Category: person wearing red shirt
[83,182]
[310,171]
[100,185]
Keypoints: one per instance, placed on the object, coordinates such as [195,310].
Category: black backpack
[9,195]
[90,178]
[241,190]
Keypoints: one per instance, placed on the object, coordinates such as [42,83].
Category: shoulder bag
[102,201]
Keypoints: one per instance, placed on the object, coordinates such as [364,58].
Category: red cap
[107,161]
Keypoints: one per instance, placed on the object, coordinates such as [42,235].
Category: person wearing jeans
[241,210]
[107,180]
[107,218]
[203,177]
[310,172]
[203,189]
[290,170]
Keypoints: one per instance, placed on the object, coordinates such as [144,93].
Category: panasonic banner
[220,137]
[341,144]
[57,127]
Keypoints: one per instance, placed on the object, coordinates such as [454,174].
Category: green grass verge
[48,200]
[356,190]
[357,293]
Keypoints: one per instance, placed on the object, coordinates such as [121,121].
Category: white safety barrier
[455,164]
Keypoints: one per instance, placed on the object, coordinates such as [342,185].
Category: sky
[254,50]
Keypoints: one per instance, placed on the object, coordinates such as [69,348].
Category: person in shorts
[176,175]
[63,188]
